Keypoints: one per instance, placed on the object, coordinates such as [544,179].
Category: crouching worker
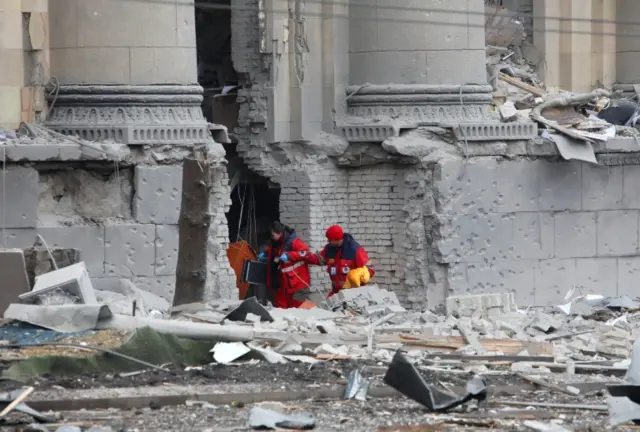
[347,262]
[292,281]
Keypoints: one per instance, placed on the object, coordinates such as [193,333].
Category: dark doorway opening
[255,203]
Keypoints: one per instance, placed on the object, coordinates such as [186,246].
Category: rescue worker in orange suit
[347,262]
[292,284]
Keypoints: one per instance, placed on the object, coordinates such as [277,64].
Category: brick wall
[538,228]
[375,205]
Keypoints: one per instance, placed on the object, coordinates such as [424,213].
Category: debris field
[357,361]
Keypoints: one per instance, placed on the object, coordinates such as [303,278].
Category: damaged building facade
[362,113]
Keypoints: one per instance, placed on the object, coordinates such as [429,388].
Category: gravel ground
[373,415]
[392,414]
[285,376]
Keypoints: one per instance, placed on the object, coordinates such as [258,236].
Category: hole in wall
[215,65]
[74,194]
[255,203]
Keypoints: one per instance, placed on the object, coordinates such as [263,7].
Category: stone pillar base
[130,114]
[421,103]
[378,112]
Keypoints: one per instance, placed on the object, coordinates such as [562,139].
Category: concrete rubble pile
[574,122]
[553,348]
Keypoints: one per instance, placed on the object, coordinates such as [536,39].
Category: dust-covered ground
[283,376]
[375,414]
[390,414]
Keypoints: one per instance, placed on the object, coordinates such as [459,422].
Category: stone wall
[125,222]
[537,227]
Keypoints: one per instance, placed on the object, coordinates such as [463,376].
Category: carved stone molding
[618,159]
[425,104]
[135,115]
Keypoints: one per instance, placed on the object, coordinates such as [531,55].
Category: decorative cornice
[421,103]
[130,114]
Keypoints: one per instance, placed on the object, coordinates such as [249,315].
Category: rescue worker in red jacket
[292,284]
[345,259]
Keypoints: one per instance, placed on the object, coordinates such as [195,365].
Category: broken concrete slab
[545,323]
[13,274]
[363,300]
[70,282]
[62,318]
[260,418]
[508,111]
[481,305]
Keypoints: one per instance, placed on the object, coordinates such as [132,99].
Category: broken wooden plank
[567,390]
[522,85]
[505,346]
[550,405]
[17,401]
[490,358]
[584,368]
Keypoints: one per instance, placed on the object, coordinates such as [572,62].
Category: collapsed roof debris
[575,123]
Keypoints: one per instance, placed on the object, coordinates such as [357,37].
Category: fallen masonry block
[70,283]
[363,299]
[481,305]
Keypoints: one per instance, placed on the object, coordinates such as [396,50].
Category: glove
[284,258]
[262,256]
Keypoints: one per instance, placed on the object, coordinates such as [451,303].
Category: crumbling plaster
[124,221]
[372,190]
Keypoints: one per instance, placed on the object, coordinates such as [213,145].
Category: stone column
[424,58]
[127,71]
[12,55]
[627,46]
[576,39]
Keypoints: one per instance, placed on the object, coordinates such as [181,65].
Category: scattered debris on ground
[358,347]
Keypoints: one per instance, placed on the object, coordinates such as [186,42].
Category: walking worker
[347,262]
[292,283]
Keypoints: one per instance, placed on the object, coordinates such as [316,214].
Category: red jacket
[341,260]
[294,274]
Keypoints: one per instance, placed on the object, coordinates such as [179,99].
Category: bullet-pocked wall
[538,227]
[288,100]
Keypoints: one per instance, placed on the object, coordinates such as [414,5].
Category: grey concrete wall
[537,228]
[417,42]
[126,226]
[122,42]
